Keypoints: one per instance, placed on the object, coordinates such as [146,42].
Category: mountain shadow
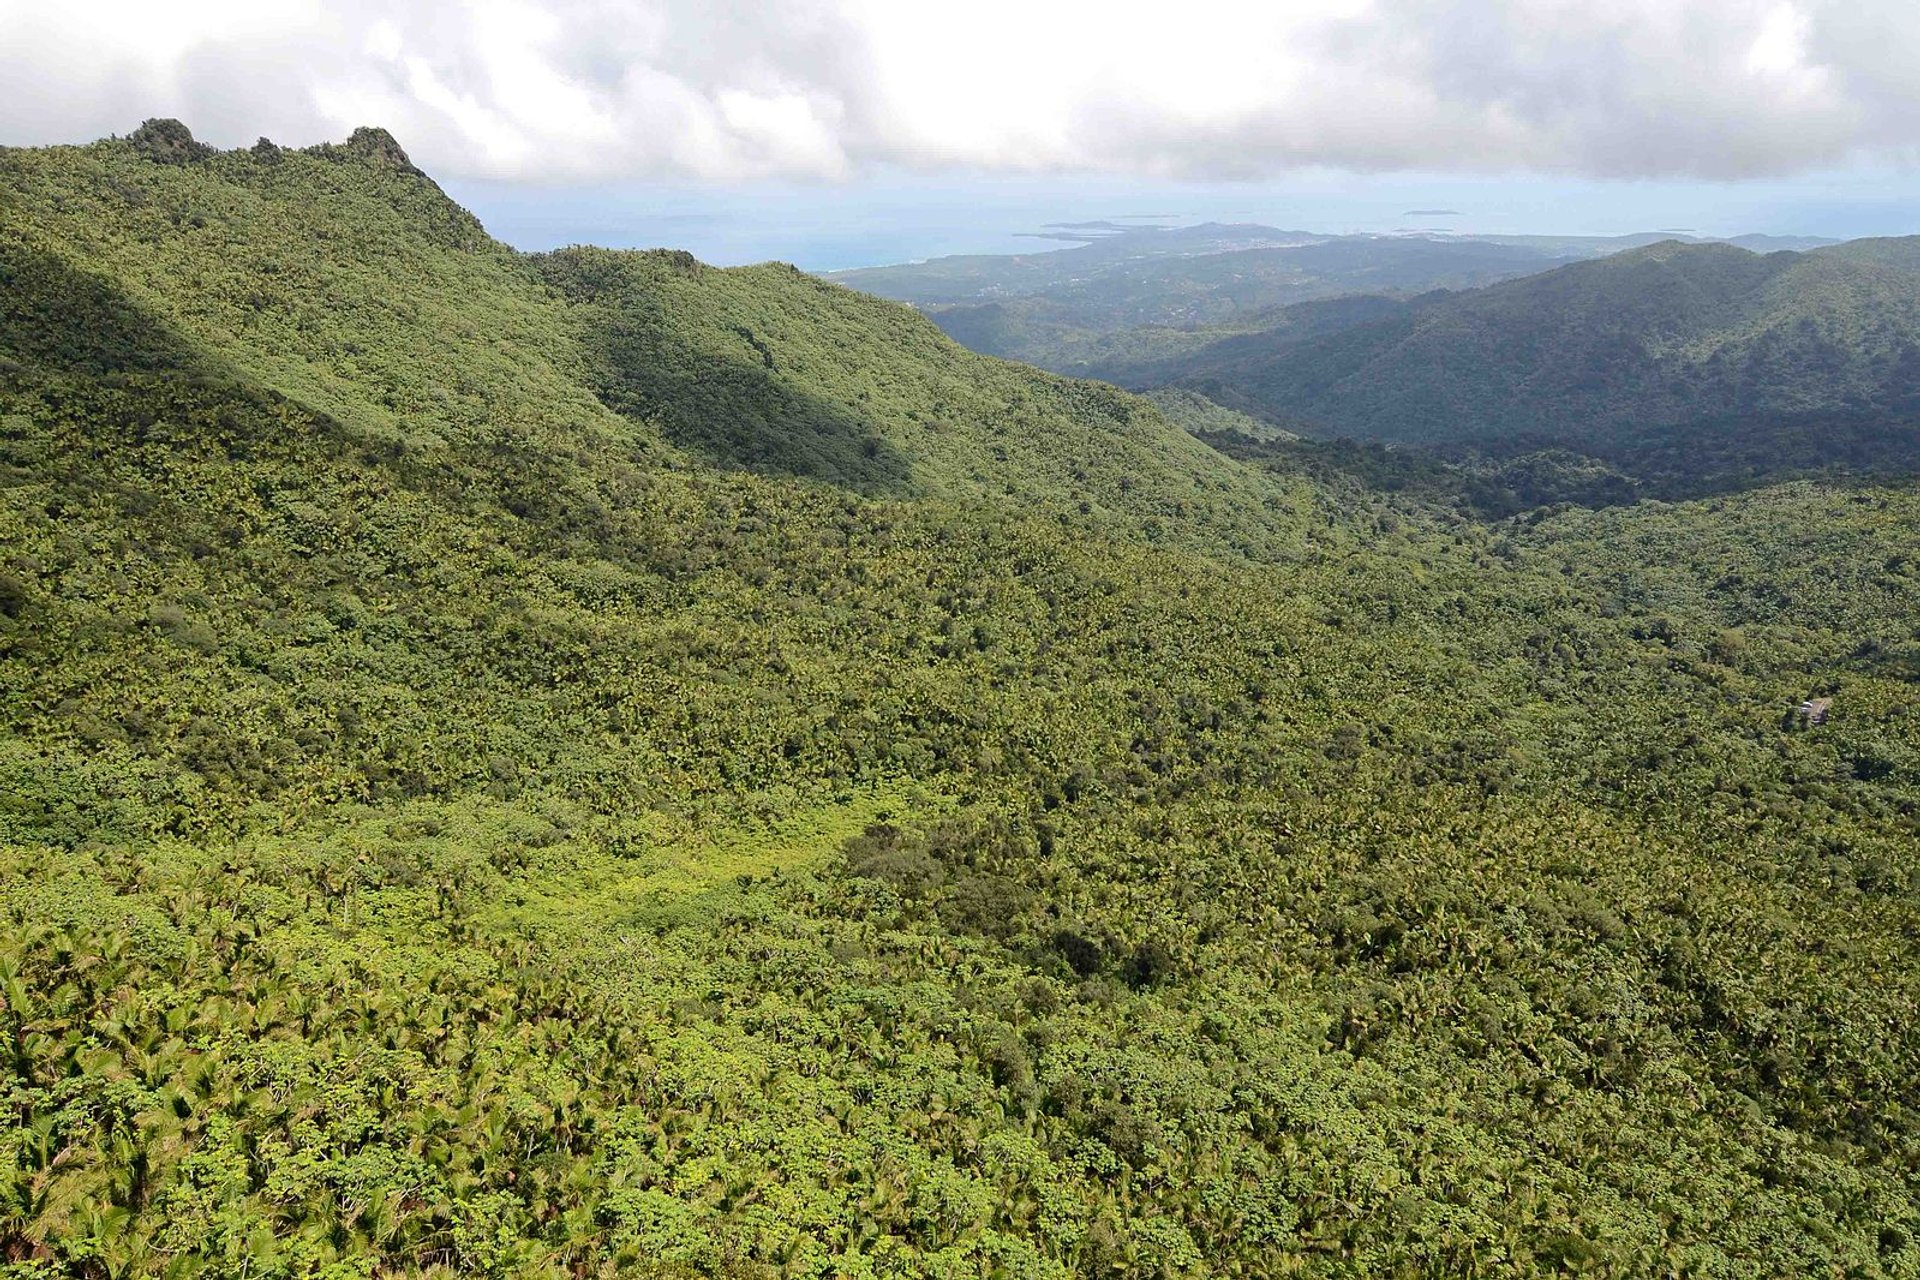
[84,367]
[1730,453]
[57,317]
[74,346]
[716,389]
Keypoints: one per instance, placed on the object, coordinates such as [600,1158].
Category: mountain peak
[1677,248]
[374,143]
[168,141]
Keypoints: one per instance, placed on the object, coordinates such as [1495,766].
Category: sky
[836,132]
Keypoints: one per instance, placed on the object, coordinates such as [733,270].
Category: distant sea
[871,222]
[816,228]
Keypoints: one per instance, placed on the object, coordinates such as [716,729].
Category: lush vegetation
[1705,339]
[1193,412]
[1148,295]
[1137,305]
[1662,368]
[595,765]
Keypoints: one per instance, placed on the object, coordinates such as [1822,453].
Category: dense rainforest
[1607,369]
[588,764]
[1131,298]
[1160,291]
[1711,339]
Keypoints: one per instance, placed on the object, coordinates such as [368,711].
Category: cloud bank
[546,90]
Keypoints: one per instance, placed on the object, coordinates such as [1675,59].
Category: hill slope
[467,806]
[1138,295]
[1593,353]
[767,368]
[852,391]
[1153,294]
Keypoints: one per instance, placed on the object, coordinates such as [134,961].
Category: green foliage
[1642,358]
[496,778]
[775,371]
[1216,423]
[1146,295]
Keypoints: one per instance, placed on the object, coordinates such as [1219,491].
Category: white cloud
[578,89]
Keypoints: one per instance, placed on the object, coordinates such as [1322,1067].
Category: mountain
[1601,246]
[589,764]
[1146,294]
[1130,362]
[771,369]
[1138,262]
[979,277]
[1138,295]
[1664,343]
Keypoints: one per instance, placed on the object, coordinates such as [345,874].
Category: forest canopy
[593,764]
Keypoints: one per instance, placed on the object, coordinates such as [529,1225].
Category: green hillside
[1156,294]
[968,278]
[592,765]
[1132,298]
[1665,339]
[1195,413]
[779,372]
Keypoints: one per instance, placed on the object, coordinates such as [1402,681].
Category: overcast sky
[534,95]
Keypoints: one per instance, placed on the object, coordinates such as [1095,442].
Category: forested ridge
[591,764]
[1133,304]
[1812,355]
[1127,299]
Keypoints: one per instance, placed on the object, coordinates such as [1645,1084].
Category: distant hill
[1157,306]
[967,278]
[1146,294]
[1601,246]
[1144,363]
[1600,353]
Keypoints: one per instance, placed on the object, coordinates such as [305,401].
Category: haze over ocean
[829,227]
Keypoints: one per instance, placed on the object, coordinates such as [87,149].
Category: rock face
[168,142]
[378,144]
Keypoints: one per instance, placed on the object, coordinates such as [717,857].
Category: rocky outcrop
[168,142]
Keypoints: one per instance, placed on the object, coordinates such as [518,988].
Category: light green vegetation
[498,778]
[1193,412]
